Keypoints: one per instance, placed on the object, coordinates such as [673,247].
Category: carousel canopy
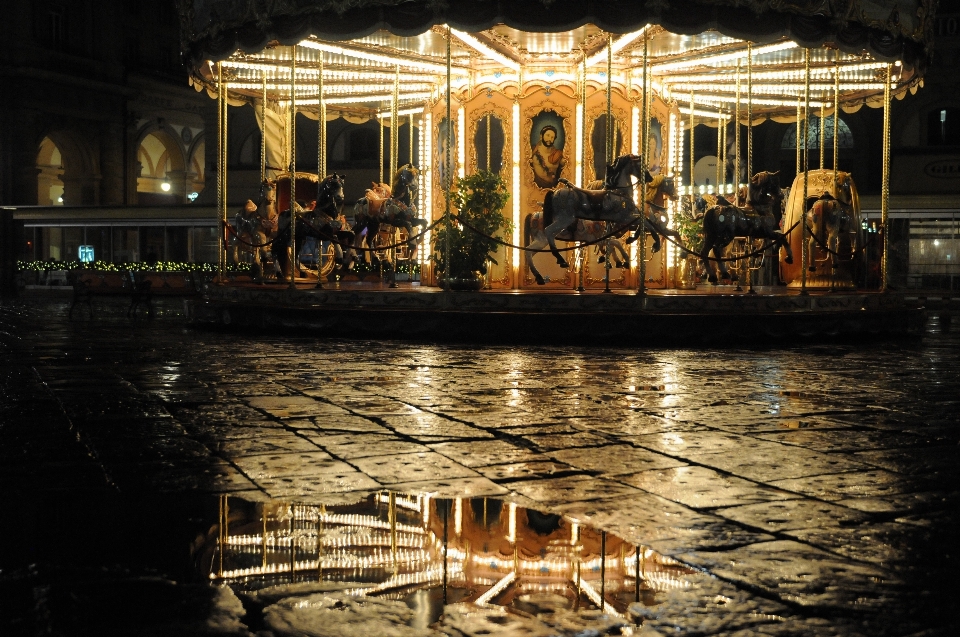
[363,46]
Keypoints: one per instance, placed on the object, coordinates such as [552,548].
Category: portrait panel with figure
[655,148]
[547,138]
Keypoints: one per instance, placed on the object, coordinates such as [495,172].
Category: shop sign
[943,169]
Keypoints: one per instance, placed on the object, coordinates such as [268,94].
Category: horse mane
[596,184]
[614,170]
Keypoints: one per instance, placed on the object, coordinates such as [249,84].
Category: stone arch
[79,173]
[49,172]
[163,175]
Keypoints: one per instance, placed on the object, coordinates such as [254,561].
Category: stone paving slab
[703,488]
[784,515]
[801,574]
[412,467]
[488,453]
[525,470]
[616,459]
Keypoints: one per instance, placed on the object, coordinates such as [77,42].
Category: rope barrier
[622,229]
[612,234]
[378,248]
[749,255]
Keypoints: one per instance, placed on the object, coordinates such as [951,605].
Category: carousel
[473,552]
[587,115]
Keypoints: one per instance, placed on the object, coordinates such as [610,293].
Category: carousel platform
[712,315]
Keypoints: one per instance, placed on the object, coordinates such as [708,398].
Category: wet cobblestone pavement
[804,491]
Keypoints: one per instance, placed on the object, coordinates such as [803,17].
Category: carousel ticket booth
[549,104]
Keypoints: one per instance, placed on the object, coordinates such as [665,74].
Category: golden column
[293,167]
[885,186]
[644,162]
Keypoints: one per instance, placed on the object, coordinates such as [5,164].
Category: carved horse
[760,219]
[323,222]
[829,218]
[614,204]
[253,228]
[655,198]
[392,206]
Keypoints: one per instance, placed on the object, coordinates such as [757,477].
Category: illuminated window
[943,127]
[813,134]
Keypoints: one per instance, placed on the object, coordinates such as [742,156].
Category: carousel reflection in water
[392,545]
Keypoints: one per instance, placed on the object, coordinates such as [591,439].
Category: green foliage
[137,266]
[479,201]
[690,229]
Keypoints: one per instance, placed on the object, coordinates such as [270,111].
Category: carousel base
[712,315]
[824,281]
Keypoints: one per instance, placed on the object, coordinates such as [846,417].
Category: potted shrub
[478,201]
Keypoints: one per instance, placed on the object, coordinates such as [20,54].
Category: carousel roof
[693,45]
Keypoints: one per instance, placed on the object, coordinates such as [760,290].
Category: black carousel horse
[614,203]
[323,222]
[760,219]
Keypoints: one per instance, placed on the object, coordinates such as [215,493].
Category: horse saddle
[593,203]
[375,204]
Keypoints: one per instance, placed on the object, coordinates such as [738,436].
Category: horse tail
[548,209]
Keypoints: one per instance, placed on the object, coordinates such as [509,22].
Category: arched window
[813,134]
[50,165]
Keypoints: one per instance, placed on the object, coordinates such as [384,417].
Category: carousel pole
[885,187]
[488,141]
[263,136]
[221,179]
[806,172]
[719,147]
[749,112]
[583,118]
[750,289]
[321,156]
[645,149]
[836,118]
[823,131]
[395,159]
[799,107]
[611,151]
[736,160]
[693,194]
[736,139]
[582,99]
[447,185]
[293,167]
[380,162]
[395,126]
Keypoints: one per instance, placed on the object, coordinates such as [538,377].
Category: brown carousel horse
[254,227]
[828,219]
[658,191]
[760,219]
[388,205]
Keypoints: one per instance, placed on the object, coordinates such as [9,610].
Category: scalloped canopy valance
[886,29]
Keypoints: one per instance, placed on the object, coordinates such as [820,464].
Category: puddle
[377,566]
